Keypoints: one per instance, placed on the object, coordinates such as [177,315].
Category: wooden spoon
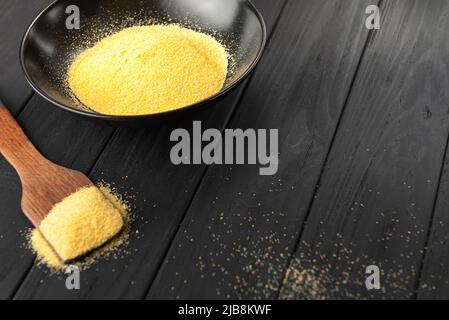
[44,183]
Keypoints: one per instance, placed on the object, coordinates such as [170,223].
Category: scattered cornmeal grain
[148,69]
[79,224]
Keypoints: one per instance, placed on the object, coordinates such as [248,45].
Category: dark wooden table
[363,119]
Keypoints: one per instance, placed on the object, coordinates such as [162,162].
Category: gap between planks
[369,40]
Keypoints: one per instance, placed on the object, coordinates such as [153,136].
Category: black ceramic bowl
[49,47]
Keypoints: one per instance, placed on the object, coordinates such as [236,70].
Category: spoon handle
[15,145]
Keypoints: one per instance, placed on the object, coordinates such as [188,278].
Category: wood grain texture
[62,139]
[375,199]
[239,230]
[138,163]
[44,184]
[15,16]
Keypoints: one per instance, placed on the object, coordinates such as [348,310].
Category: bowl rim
[107,117]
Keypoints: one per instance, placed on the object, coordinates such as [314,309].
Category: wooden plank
[236,237]
[434,277]
[15,16]
[376,195]
[434,280]
[63,139]
[138,163]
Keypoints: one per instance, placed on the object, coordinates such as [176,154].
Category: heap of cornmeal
[148,69]
[84,221]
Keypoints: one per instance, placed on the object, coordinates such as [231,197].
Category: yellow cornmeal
[43,250]
[149,69]
[82,222]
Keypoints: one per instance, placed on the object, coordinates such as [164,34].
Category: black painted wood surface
[363,175]
[15,16]
[375,199]
[255,220]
